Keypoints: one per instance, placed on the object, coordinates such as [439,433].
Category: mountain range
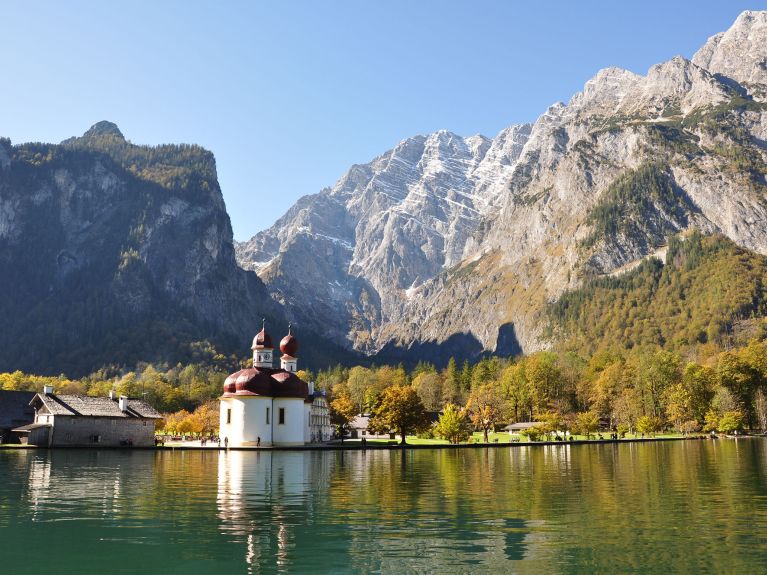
[449,245]
[113,253]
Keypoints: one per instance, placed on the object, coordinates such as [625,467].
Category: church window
[229,416]
[267,416]
[282,415]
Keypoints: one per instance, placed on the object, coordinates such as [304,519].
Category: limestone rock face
[112,253]
[738,54]
[450,246]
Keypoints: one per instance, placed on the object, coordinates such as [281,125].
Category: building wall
[248,420]
[292,431]
[308,424]
[320,428]
[111,431]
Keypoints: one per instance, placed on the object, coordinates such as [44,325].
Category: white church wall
[291,432]
[248,420]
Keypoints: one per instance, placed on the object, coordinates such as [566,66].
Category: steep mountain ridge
[112,253]
[448,244]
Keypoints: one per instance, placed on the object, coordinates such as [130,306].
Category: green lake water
[667,507]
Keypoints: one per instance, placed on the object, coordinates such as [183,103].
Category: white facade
[264,407]
[320,428]
[251,421]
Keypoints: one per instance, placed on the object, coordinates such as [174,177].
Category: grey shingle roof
[32,426]
[85,405]
[15,409]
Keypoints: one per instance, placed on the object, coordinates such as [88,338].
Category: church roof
[265,382]
[262,340]
[289,345]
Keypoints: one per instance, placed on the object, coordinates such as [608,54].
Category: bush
[622,429]
[532,433]
[690,426]
[731,422]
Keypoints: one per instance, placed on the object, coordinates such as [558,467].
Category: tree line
[635,391]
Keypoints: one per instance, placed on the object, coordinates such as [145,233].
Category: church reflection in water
[367,512]
[267,501]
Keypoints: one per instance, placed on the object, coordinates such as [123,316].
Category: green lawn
[498,437]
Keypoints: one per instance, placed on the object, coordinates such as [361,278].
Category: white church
[263,406]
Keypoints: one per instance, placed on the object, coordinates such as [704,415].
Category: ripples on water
[679,507]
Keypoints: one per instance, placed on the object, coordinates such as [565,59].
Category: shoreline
[378,447]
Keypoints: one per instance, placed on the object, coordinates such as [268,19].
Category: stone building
[81,420]
[265,406]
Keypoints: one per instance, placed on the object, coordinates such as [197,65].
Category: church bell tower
[262,348]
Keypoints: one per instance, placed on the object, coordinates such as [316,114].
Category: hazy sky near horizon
[289,94]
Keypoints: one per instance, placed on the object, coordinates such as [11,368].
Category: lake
[666,507]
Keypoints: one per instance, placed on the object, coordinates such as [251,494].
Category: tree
[760,409]
[451,384]
[690,426]
[551,423]
[465,377]
[544,379]
[359,382]
[173,421]
[453,424]
[587,423]
[481,374]
[342,411]
[731,422]
[605,389]
[399,410]
[657,372]
[711,422]
[516,392]
[485,407]
[532,433]
[698,381]
[627,408]
[724,400]
[205,418]
[428,385]
[740,378]
[648,424]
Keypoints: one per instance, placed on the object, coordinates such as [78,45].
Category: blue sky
[289,94]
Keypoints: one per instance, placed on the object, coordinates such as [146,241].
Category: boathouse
[81,420]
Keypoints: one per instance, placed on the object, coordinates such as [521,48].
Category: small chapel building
[264,406]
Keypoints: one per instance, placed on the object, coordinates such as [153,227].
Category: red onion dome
[288,384]
[262,340]
[253,381]
[289,344]
[230,383]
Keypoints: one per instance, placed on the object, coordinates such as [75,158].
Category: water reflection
[692,507]
[267,500]
[375,511]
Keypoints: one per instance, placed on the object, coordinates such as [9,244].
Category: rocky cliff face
[450,246]
[111,253]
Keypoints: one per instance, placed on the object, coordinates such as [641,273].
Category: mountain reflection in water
[682,507]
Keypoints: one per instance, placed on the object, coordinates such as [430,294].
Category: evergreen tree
[465,377]
[451,384]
